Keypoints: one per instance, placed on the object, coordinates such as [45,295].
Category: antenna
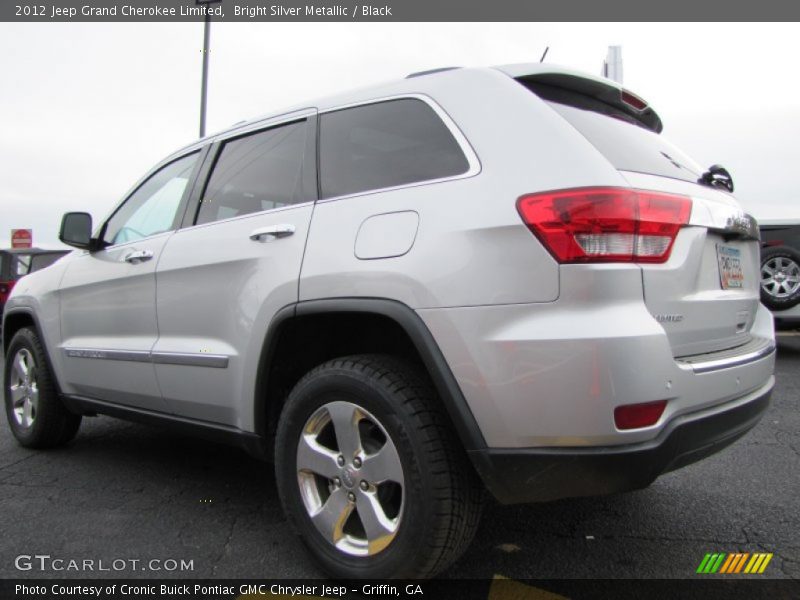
[541,60]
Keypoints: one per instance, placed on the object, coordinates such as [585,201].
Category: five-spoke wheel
[24,388]
[37,417]
[370,473]
[350,478]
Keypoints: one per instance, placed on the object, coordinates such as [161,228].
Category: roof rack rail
[431,72]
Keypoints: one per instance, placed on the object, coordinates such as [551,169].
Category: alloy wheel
[24,388]
[780,277]
[351,478]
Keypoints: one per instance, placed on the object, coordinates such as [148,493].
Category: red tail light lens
[606,224]
[635,416]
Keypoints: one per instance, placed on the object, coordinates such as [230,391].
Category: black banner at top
[396,10]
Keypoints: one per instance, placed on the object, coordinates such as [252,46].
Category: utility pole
[206,49]
[204,84]
[612,67]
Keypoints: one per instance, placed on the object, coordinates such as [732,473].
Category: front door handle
[273,232]
[138,256]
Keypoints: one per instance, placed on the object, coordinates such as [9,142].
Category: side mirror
[76,230]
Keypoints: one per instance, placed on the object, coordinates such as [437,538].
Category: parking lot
[125,491]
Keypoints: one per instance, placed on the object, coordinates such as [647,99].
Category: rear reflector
[606,224]
[635,416]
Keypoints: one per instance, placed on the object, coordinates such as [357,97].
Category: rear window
[626,143]
[385,145]
[15,266]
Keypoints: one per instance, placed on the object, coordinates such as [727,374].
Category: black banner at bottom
[462,589]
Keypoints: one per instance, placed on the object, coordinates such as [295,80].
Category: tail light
[635,416]
[587,225]
[632,100]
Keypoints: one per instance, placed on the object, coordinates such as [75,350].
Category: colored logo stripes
[735,562]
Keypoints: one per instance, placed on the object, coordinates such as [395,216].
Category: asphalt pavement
[126,492]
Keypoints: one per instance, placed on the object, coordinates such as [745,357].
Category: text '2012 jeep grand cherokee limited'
[496,278]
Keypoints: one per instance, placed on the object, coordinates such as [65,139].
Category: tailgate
[706,295]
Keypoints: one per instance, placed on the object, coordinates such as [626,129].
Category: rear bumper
[542,474]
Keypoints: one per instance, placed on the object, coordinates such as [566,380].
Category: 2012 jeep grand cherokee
[498,278]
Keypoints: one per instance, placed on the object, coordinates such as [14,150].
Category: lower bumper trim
[542,474]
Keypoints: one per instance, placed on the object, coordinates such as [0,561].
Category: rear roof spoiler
[599,88]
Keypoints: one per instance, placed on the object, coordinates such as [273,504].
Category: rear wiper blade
[717,176]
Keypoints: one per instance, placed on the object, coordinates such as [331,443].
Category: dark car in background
[780,270]
[18,262]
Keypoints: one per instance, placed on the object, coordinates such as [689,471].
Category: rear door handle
[138,256]
[273,232]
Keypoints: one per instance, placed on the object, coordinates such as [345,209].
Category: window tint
[385,145]
[152,208]
[256,172]
[625,142]
[40,261]
[631,147]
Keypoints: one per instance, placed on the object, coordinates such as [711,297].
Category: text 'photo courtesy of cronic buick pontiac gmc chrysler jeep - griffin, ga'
[498,279]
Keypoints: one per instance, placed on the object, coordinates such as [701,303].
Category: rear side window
[626,143]
[23,265]
[40,261]
[256,172]
[384,145]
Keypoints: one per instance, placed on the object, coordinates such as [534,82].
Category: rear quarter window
[40,261]
[22,265]
[384,145]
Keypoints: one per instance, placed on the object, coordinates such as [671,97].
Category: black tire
[442,496]
[775,296]
[52,424]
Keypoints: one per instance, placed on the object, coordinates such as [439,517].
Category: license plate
[730,267]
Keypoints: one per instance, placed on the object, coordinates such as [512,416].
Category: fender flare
[25,310]
[439,371]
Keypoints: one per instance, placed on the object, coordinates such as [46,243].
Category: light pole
[612,67]
[204,82]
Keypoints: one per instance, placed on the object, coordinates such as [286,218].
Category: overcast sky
[86,109]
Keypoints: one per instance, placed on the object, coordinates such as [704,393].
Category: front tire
[36,415]
[370,473]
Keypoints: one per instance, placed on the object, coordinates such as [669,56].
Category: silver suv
[469,279]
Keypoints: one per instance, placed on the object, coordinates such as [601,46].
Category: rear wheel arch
[306,334]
